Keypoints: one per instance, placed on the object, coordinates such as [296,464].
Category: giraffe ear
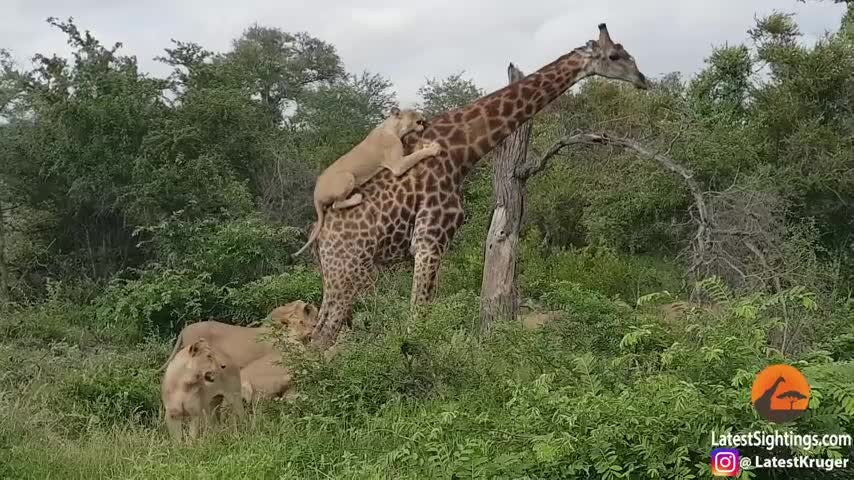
[395,111]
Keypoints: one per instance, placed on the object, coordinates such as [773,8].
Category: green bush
[605,391]
[396,357]
[60,317]
[112,395]
[255,299]
[160,301]
[594,268]
[231,252]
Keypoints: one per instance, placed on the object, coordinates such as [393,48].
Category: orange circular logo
[780,393]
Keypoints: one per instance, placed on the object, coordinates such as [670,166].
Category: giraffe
[415,216]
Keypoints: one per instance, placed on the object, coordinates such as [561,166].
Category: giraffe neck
[474,130]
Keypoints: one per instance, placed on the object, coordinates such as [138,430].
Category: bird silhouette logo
[780,393]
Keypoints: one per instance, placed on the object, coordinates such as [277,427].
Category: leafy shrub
[642,393]
[60,317]
[594,268]
[231,252]
[255,299]
[160,301]
[606,391]
[397,357]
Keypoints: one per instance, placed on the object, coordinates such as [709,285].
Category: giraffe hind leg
[340,288]
[425,274]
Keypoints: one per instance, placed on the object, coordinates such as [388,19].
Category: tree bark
[498,294]
[4,272]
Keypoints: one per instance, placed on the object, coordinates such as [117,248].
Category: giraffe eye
[614,57]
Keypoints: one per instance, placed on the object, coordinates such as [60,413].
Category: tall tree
[279,66]
[439,96]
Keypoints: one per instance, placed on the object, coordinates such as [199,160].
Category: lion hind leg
[328,191]
[354,200]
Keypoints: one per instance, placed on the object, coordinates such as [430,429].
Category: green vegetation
[131,205]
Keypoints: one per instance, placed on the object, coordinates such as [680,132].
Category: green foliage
[332,119]
[279,66]
[605,390]
[171,202]
[231,252]
[61,317]
[160,301]
[112,395]
[256,299]
[609,196]
[439,96]
[595,268]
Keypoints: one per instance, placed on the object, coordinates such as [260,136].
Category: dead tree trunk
[4,272]
[498,295]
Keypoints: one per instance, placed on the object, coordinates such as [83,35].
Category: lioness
[382,148]
[265,378]
[245,344]
[197,379]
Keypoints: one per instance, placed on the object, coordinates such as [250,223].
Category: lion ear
[310,311]
[196,347]
[395,111]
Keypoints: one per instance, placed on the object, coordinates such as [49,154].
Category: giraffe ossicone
[417,214]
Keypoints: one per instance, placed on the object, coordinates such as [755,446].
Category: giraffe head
[611,60]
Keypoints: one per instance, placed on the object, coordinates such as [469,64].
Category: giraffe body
[415,215]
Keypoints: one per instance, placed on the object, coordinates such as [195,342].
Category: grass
[608,391]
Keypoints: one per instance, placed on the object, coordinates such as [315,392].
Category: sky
[408,42]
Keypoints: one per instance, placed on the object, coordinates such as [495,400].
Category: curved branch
[702,237]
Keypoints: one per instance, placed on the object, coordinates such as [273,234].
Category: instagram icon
[725,462]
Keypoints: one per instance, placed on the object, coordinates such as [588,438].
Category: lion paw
[433,147]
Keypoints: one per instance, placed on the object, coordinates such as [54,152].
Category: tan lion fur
[246,344]
[382,148]
[197,379]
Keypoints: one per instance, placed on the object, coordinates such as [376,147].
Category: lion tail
[175,349]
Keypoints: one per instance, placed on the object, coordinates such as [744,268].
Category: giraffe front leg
[434,229]
[335,310]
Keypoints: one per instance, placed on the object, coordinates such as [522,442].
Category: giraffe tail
[314,231]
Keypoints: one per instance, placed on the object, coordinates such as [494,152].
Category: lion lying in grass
[257,357]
